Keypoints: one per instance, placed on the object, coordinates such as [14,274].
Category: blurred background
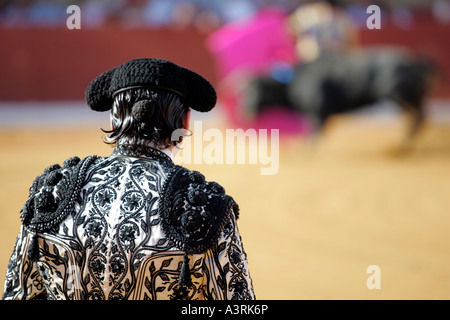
[347,201]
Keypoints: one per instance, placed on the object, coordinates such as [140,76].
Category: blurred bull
[339,84]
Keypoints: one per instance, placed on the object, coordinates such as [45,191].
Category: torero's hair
[140,116]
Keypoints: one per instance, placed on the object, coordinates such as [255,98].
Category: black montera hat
[151,73]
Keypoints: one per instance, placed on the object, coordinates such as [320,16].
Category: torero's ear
[187,118]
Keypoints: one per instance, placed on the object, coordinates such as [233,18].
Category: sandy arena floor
[312,229]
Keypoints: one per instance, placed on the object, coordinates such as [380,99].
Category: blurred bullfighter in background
[330,73]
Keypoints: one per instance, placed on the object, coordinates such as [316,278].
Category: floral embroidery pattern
[114,244]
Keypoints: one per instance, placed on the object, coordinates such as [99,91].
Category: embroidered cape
[129,226]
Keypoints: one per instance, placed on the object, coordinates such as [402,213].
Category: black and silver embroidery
[53,194]
[126,227]
[142,151]
[194,211]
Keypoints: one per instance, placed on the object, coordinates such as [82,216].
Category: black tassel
[185,276]
[33,251]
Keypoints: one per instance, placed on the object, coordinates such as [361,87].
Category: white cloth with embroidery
[112,244]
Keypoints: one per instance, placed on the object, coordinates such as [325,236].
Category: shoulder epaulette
[193,214]
[53,194]
[193,211]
